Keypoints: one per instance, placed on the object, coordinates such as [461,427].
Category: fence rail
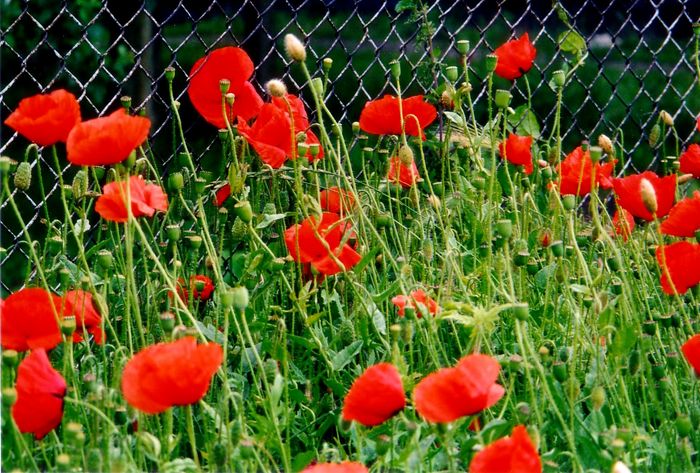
[640,60]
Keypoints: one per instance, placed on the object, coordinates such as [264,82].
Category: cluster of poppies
[444,396]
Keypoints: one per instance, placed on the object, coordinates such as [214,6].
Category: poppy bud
[491,62]
[620,467]
[596,152]
[23,176]
[569,202]
[504,228]
[654,135]
[9,358]
[395,69]
[68,325]
[666,118]
[463,46]
[238,230]
[244,211]
[73,431]
[176,182]
[194,241]
[382,220]
[598,397]
[169,73]
[406,155]
[502,98]
[446,99]
[648,194]
[606,144]
[105,259]
[276,88]
[559,78]
[465,88]
[684,178]
[452,73]
[80,185]
[63,462]
[301,137]
[634,362]
[559,371]
[240,297]
[294,48]
[6,164]
[327,64]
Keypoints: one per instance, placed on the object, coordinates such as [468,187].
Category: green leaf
[302,460]
[543,275]
[269,219]
[624,341]
[455,118]
[379,321]
[572,42]
[525,122]
[345,356]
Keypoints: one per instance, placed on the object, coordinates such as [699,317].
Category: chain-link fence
[640,60]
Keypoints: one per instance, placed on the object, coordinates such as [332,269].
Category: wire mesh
[640,61]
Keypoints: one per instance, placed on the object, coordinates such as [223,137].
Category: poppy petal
[375,396]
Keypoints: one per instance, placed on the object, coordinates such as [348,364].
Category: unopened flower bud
[666,118]
[23,176]
[239,297]
[598,397]
[80,184]
[317,85]
[606,144]
[502,98]
[684,178]
[294,48]
[654,135]
[504,228]
[276,88]
[9,396]
[230,98]
[176,182]
[491,62]
[446,99]
[620,467]
[327,64]
[169,73]
[105,259]
[406,155]
[648,194]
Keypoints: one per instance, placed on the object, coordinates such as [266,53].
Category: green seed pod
[557,248]
[502,98]
[55,244]
[194,241]
[654,135]
[532,266]
[635,362]
[559,371]
[491,62]
[683,425]
[569,202]
[559,78]
[167,322]
[523,412]
[10,358]
[521,258]
[23,176]
[521,311]
[240,297]
[176,182]
[244,211]
[452,73]
[169,73]
[504,228]
[9,396]
[463,46]
[649,327]
[395,69]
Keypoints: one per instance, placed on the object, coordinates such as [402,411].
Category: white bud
[648,193]
[295,48]
[620,467]
[276,88]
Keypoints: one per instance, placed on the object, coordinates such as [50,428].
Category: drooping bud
[294,48]
[23,176]
[606,144]
[406,155]
[646,189]
[654,135]
[666,118]
[276,88]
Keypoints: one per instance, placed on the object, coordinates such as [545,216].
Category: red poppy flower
[400,173]
[684,218]
[514,454]
[170,374]
[270,135]
[698,125]
[46,119]
[576,170]
[30,320]
[311,249]
[690,161]
[301,120]
[515,57]
[106,140]
[545,239]
[205,93]
[40,392]
[416,300]
[344,467]
[680,261]
[691,351]
[79,304]
[375,396]
[202,288]
[336,200]
[145,200]
[382,116]
[516,149]
[467,389]
[629,194]
[223,193]
[623,223]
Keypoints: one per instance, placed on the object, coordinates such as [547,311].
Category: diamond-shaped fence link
[640,60]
